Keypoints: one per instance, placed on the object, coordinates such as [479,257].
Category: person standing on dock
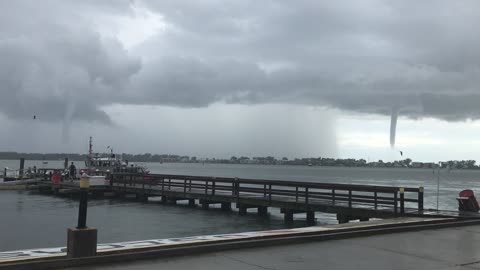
[73,171]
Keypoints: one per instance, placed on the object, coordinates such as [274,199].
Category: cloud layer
[367,57]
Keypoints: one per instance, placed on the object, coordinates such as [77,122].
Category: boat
[99,166]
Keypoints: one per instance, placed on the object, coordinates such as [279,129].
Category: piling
[242,210]
[65,164]
[364,218]
[262,211]
[310,218]
[226,206]
[204,204]
[288,216]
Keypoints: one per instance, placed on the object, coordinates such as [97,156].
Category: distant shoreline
[332,163]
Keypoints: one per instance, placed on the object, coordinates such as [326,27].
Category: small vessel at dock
[109,162]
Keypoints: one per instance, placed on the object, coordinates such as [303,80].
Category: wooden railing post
[184,187]
[206,188]
[402,200]
[296,194]
[270,193]
[420,198]
[163,186]
[395,202]
[350,198]
[237,184]
[333,196]
[213,187]
[306,196]
[375,199]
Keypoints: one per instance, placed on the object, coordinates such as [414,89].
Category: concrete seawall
[160,248]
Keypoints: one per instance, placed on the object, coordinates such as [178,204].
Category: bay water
[32,220]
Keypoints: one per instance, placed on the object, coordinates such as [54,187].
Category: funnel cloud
[393,126]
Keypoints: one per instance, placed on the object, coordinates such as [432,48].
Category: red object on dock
[56,177]
[467,201]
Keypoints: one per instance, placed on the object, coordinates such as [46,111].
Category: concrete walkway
[452,248]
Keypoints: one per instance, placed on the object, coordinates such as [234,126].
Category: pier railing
[307,193]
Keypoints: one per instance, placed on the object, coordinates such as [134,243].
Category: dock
[348,202]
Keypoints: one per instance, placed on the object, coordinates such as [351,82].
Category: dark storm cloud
[364,56]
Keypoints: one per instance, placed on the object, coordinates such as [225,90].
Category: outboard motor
[467,201]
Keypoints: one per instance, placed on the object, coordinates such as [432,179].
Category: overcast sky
[221,78]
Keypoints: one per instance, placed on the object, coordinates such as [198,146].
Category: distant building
[429,165]
[417,164]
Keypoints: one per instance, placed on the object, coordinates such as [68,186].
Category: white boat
[99,166]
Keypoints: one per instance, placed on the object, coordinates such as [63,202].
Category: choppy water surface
[32,220]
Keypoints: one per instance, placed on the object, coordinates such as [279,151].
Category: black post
[65,163]
[82,210]
[22,166]
[402,200]
[420,198]
[5,173]
[82,241]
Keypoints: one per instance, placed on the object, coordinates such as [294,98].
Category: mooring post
[420,198]
[22,166]
[82,210]
[5,173]
[65,163]
[82,241]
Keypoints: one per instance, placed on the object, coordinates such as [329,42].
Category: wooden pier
[349,202]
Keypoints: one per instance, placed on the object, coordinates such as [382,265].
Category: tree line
[268,160]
